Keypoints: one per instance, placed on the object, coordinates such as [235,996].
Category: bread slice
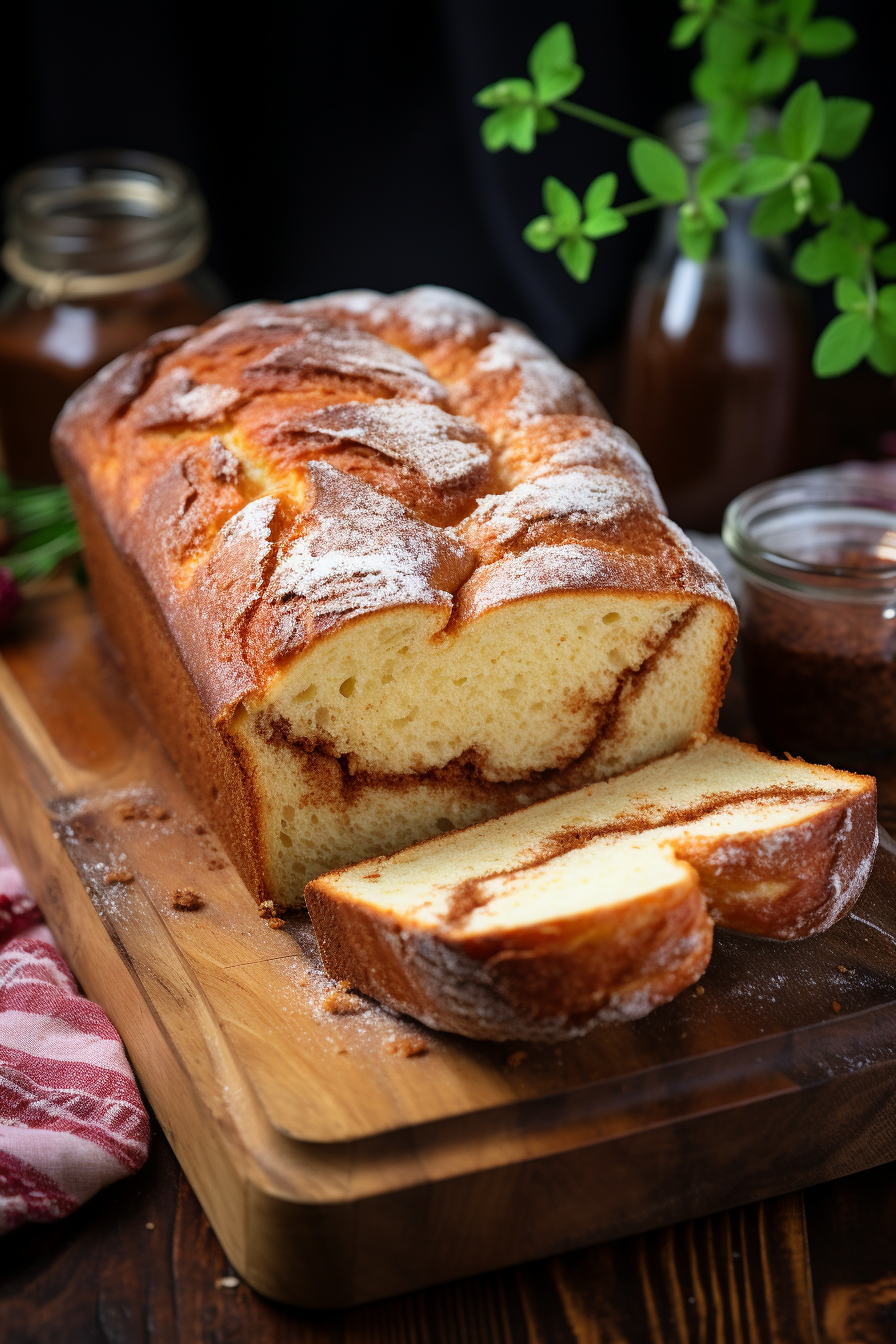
[599,905]
[380,566]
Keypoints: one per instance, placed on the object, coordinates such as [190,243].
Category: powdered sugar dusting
[175,399]
[433,313]
[546,386]
[593,497]
[607,448]
[446,449]
[363,552]
[332,347]
[709,580]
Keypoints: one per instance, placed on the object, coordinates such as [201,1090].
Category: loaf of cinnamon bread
[380,567]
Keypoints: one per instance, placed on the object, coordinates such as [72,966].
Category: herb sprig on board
[750,52]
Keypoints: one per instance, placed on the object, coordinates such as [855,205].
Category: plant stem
[639,207]
[598,119]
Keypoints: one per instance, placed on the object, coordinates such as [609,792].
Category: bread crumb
[142,812]
[270,910]
[406,1046]
[341,1000]
[276,923]
[185,898]
[516,1059]
[699,990]
[118,875]
[836,1007]
[228,1281]
[843,969]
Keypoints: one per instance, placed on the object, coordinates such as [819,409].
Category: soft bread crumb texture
[410,574]
[598,905]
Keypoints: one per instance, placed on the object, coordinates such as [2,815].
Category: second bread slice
[599,905]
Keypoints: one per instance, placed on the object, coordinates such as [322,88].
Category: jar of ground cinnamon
[103,249]
[817,559]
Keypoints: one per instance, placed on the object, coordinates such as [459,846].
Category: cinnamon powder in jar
[817,559]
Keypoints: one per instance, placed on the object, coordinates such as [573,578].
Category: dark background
[338,146]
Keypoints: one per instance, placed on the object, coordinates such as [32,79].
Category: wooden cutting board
[343,1157]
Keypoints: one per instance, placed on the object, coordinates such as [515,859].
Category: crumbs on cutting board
[187,898]
[349,1020]
[118,875]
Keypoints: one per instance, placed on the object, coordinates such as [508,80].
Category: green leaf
[882,354]
[601,193]
[728,125]
[561,204]
[708,84]
[776,214]
[604,222]
[849,296]
[827,37]
[727,44]
[718,175]
[541,234]
[545,120]
[713,213]
[686,29]
[695,237]
[819,259]
[845,122]
[773,70]
[766,141]
[826,191]
[863,228]
[577,255]
[886,308]
[885,261]
[552,64]
[802,123]
[506,93]
[514,126]
[763,173]
[658,170]
[799,11]
[842,345]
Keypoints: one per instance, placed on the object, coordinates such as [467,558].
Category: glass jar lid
[829,533]
[103,222]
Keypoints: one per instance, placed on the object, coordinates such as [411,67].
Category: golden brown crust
[544,983]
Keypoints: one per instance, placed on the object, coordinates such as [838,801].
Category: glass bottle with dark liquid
[716,360]
[103,250]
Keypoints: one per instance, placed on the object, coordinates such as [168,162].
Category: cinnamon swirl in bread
[379,567]
[599,905]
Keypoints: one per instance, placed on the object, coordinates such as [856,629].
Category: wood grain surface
[104,1276]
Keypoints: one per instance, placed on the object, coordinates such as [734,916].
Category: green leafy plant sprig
[750,51]
[39,525]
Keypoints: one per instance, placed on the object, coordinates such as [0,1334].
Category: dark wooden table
[140,1264]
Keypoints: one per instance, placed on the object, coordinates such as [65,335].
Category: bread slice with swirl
[378,567]
[599,905]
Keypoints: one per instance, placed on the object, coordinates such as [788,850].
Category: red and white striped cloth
[71,1118]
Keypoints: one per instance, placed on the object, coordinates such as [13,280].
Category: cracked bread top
[288,468]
